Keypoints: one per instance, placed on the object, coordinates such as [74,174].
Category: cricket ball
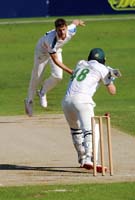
[107,114]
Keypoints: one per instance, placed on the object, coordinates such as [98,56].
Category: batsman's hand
[114,72]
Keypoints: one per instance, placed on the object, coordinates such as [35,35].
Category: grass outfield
[113,191]
[116,37]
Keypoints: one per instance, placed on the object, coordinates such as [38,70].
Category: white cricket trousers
[78,116]
[40,63]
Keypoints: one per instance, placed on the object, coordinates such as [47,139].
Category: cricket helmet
[97,54]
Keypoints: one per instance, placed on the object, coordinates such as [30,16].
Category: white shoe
[28,107]
[88,164]
[43,99]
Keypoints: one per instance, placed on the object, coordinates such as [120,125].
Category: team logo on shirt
[122,4]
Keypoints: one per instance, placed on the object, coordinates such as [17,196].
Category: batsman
[78,104]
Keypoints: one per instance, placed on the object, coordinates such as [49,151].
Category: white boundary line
[121,18]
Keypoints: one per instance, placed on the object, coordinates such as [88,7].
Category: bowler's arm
[60,64]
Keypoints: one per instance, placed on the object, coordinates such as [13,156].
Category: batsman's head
[97,54]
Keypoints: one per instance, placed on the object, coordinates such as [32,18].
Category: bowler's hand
[78,22]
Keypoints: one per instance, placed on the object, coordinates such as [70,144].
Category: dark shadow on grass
[48,169]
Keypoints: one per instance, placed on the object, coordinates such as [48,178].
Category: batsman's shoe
[28,107]
[88,164]
[43,99]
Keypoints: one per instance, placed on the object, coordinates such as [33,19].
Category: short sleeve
[72,29]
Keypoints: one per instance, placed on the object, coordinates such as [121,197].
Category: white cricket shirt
[50,42]
[86,79]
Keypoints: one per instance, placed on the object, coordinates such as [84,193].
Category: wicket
[99,119]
